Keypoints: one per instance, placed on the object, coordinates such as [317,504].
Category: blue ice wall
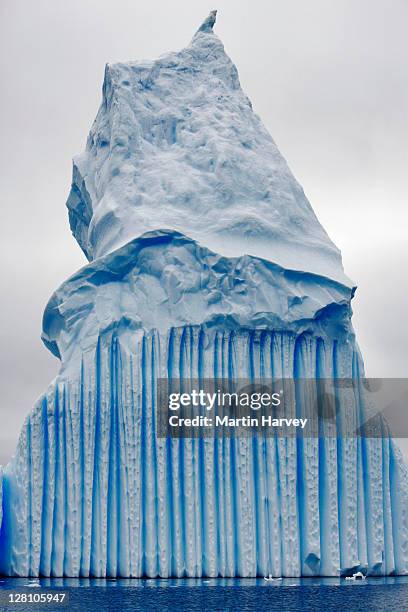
[94,492]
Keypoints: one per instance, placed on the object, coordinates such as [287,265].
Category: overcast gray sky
[330,81]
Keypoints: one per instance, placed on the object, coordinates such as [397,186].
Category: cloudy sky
[330,81]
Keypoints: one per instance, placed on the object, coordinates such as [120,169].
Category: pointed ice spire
[208,23]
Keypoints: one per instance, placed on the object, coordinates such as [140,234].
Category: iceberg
[205,260]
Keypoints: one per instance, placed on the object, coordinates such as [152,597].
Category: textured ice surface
[206,260]
[176,145]
[163,280]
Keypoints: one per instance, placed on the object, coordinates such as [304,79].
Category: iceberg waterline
[172,290]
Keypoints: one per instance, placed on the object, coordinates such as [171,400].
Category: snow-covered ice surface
[176,145]
[206,260]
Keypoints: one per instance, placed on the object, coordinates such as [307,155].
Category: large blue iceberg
[205,260]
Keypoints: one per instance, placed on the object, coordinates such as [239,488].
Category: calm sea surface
[214,594]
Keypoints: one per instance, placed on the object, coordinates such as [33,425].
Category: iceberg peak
[176,146]
[208,23]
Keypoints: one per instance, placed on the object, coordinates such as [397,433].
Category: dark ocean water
[222,595]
